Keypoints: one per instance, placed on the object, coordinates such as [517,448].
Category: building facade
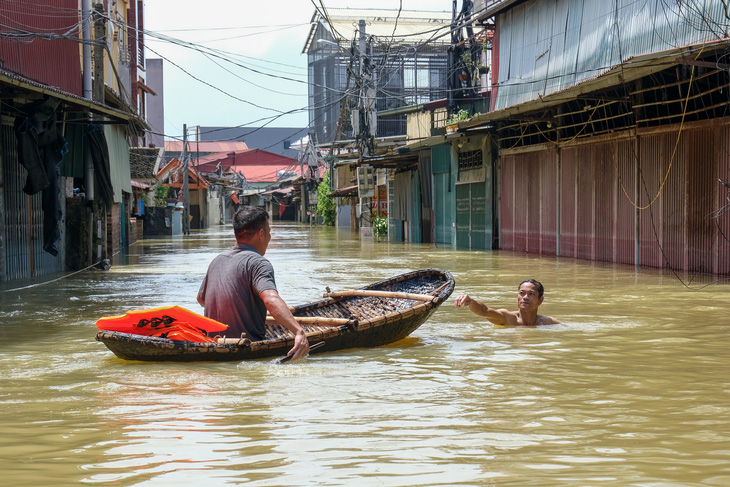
[393,58]
[68,116]
[611,125]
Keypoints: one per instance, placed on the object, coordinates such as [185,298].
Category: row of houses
[72,102]
[220,181]
[603,133]
[571,128]
[84,171]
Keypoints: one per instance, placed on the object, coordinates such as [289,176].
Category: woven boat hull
[376,321]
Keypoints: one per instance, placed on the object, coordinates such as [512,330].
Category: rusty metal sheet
[547,47]
[520,205]
[530,172]
[655,151]
[624,155]
[665,185]
[548,204]
[721,209]
[34,49]
[506,209]
[584,208]
[568,175]
[701,175]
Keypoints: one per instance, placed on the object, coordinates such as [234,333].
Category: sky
[241,61]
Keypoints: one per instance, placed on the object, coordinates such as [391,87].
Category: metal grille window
[470,159]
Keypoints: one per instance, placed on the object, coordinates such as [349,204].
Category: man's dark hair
[540,289]
[249,220]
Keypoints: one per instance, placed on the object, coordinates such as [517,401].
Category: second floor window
[471,159]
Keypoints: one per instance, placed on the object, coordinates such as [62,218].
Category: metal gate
[22,219]
[471,216]
[443,196]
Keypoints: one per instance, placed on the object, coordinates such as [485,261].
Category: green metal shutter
[471,216]
[444,199]
[478,216]
[463,215]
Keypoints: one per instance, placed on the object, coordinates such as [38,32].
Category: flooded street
[632,388]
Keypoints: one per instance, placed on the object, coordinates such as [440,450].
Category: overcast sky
[253,70]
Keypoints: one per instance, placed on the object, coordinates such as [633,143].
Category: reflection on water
[630,390]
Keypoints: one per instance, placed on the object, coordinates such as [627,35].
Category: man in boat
[239,286]
[529,298]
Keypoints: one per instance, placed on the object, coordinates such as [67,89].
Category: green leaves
[326,207]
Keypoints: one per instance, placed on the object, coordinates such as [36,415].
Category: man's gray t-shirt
[231,290]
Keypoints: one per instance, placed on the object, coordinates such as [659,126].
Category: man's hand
[301,346]
[281,313]
[463,300]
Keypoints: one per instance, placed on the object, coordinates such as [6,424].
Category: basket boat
[378,314]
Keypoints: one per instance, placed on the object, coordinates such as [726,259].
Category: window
[470,159]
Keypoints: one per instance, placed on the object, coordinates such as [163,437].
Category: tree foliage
[161,193]
[325,205]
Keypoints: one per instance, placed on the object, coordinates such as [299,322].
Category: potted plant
[452,123]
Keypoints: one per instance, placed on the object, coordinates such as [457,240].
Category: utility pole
[86,47]
[451,83]
[366,101]
[99,46]
[96,219]
[365,129]
[185,184]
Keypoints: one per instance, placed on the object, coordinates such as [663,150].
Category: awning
[345,192]
[280,190]
[94,107]
[632,69]
[393,161]
[137,184]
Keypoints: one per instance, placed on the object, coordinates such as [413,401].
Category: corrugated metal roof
[632,69]
[546,47]
[14,79]
[35,42]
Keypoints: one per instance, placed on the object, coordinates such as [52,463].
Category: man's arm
[201,301]
[281,313]
[496,316]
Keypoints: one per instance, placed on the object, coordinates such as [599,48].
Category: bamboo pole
[379,294]
[235,341]
[438,289]
[314,320]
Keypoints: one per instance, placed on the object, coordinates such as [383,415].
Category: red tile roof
[255,165]
[262,173]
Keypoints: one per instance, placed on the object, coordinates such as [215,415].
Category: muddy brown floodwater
[632,389]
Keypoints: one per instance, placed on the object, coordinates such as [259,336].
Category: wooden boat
[381,313]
